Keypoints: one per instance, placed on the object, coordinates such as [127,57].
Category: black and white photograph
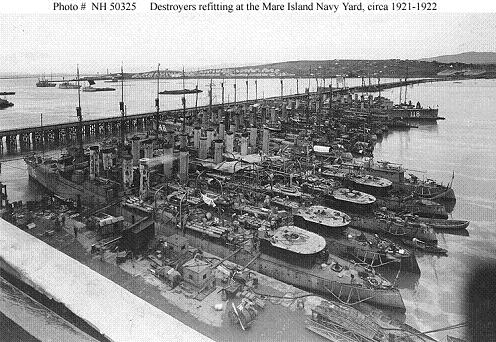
[247,170]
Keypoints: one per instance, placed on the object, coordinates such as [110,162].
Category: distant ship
[180,91]
[91,89]
[68,85]
[5,104]
[410,112]
[44,83]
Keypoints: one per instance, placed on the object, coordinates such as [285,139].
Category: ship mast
[209,99]
[122,108]
[157,101]
[80,117]
[184,106]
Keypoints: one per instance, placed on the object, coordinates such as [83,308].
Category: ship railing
[352,290]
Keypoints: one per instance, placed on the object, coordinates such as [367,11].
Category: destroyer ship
[321,220]
[67,178]
[297,257]
[350,200]
[75,176]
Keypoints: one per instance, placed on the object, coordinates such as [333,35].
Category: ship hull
[300,276]
[63,187]
[372,257]
[416,114]
[375,225]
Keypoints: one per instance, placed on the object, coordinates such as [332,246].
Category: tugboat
[321,220]
[350,200]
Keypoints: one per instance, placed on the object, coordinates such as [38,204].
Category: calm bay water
[463,144]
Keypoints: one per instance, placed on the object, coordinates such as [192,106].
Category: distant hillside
[465,58]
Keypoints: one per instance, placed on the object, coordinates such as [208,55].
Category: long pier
[38,137]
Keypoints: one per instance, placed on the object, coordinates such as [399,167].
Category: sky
[56,41]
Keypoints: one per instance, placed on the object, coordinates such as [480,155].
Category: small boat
[180,91]
[444,224]
[44,83]
[3,93]
[428,248]
[5,104]
[68,85]
[91,89]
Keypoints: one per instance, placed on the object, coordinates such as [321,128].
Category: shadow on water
[430,127]
[459,232]
[401,278]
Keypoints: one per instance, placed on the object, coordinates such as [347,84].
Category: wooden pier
[50,136]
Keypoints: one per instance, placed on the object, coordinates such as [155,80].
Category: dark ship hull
[84,191]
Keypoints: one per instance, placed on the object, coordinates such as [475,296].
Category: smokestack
[196,137]
[148,149]
[272,115]
[265,140]
[222,130]
[135,149]
[230,142]
[236,120]
[219,115]
[218,147]
[284,112]
[183,140]
[168,161]
[202,154]
[227,123]
[183,165]
[144,177]
[93,162]
[253,136]
[107,159]
[127,171]
[244,144]
[253,110]
[204,119]
[210,137]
